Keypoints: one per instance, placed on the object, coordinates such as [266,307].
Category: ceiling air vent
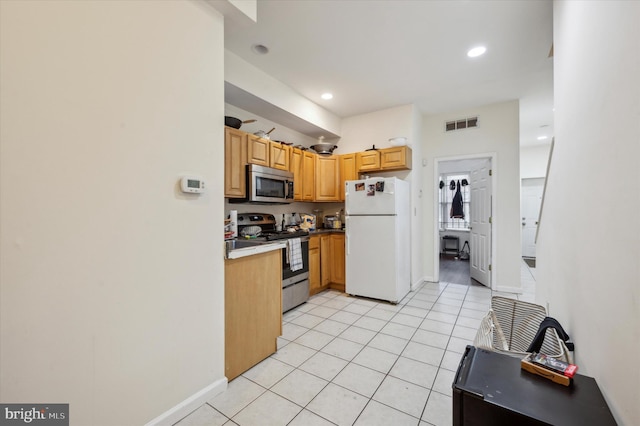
[462,123]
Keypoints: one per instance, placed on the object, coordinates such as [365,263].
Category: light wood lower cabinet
[314,265]
[326,262]
[337,262]
[253,310]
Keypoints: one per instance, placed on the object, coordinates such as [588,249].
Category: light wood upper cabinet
[397,158]
[368,161]
[295,167]
[303,166]
[235,159]
[327,178]
[258,150]
[348,171]
[279,155]
[308,176]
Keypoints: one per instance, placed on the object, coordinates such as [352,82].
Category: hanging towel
[457,205]
[294,254]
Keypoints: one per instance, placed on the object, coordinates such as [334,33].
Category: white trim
[414,286]
[494,211]
[184,408]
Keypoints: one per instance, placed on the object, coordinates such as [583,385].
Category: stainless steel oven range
[295,283]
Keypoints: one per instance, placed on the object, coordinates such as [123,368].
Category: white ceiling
[377,54]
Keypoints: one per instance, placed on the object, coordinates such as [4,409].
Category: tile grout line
[404,303]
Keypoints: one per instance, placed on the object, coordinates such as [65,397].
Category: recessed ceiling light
[327,96]
[476,51]
[541,138]
[260,49]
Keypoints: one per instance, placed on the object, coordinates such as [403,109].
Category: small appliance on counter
[332,222]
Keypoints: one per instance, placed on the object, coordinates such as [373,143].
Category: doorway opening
[463,219]
[531,190]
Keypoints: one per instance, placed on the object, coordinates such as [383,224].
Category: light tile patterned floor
[352,361]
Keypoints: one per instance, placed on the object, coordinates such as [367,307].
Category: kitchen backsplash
[319,209]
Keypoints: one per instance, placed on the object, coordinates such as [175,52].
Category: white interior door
[480,234]
[530,208]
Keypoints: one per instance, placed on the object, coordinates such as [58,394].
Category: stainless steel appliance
[295,283]
[266,185]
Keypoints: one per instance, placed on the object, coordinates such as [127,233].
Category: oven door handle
[286,253]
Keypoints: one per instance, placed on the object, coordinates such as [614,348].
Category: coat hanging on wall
[457,205]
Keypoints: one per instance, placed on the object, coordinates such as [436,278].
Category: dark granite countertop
[326,231]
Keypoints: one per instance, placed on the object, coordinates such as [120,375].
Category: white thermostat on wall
[192,184]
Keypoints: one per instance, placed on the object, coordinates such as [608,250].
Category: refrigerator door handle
[346,230]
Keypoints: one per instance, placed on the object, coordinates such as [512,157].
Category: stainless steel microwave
[267,185]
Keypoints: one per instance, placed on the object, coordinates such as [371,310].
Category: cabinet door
[338,261]
[308,176]
[295,167]
[398,158]
[327,178]
[279,156]
[258,150]
[347,171]
[368,161]
[314,265]
[325,260]
[235,158]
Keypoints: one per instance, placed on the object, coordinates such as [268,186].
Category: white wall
[497,133]
[533,161]
[111,289]
[281,133]
[361,132]
[252,80]
[587,268]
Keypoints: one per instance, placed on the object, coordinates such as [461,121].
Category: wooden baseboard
[338,287]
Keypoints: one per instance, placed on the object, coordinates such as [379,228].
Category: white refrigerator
[378,239]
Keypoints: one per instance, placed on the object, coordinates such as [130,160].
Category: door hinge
[490,172]
[489,266]
[490,219]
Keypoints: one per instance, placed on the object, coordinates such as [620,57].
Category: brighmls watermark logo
[34,414]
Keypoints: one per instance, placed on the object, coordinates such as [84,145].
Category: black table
[491,389]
